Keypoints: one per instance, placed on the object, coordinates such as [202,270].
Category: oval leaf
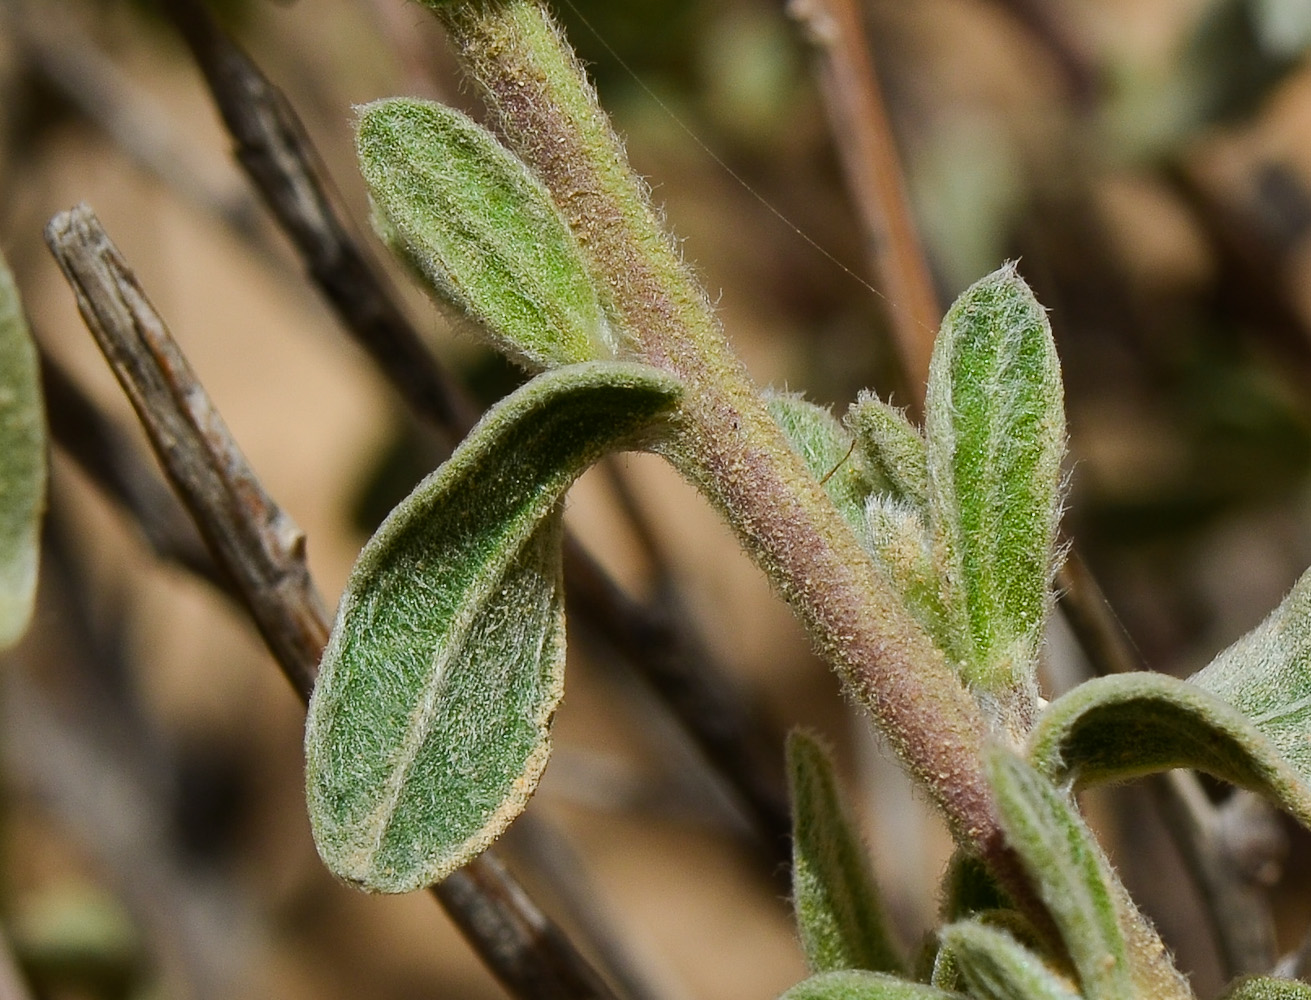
[429,726]
[22,464]
[853,985]
[1126,725]
[1065,865]
[995,429]
[1266,675]
[484,232]
[837,903]
[997,967]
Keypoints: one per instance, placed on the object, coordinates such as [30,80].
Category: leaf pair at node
[962,519]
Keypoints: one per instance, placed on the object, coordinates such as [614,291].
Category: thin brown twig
[263,552]
[281,161]
[103,451]
[860,128]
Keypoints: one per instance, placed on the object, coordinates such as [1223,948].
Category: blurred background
[1147,161]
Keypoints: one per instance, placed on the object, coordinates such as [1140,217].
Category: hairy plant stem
[732,449]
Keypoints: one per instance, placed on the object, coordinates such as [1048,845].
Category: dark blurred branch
[859,124]
[273,147]
[263,552]
[1045,22]
[74,66]
[1235,852]
[275,151]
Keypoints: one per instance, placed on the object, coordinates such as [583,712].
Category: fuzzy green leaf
[484,232]
[1268,988]
[898,541]
[1266,675]
[997,967]
[1064,864]
[1118,727]
[429,727]
[826,446]
[995,426]
[893,449]
[22,464]
[858,985]
[837,903]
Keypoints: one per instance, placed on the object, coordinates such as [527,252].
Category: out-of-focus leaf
[854,985]
[995,427]
[22,464]
[997,967]
[1113,728]
[429,727]
[826,446]
[475,222]
[837,903]
[1065,866]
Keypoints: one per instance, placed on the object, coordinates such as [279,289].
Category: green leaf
[859,985]
[1065,866]
[1268,988]
[1118,727]
[997,967]
[22,464]
[429,727]
[995,426]
[893,449]
[837,902]
[1266,675]
[826,446]
[474,221]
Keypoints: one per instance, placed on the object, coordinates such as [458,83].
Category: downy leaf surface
[826,447]
[22,464]
[995,430]
[429,726]
[1065,865]
[1126,725]
[854,985]
[995,966]
[474,221]
[1268,988]
[838,906]
[1266,675]
[892,447]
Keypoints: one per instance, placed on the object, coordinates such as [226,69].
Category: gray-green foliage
[995,966]
[854,985]
[1066,867]
[1268,988]
[22,464]
[472,219]
[838,908]
[429,726]
[892,447]
[827,448]
[1126,725]
[995,426]
[1266,675]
